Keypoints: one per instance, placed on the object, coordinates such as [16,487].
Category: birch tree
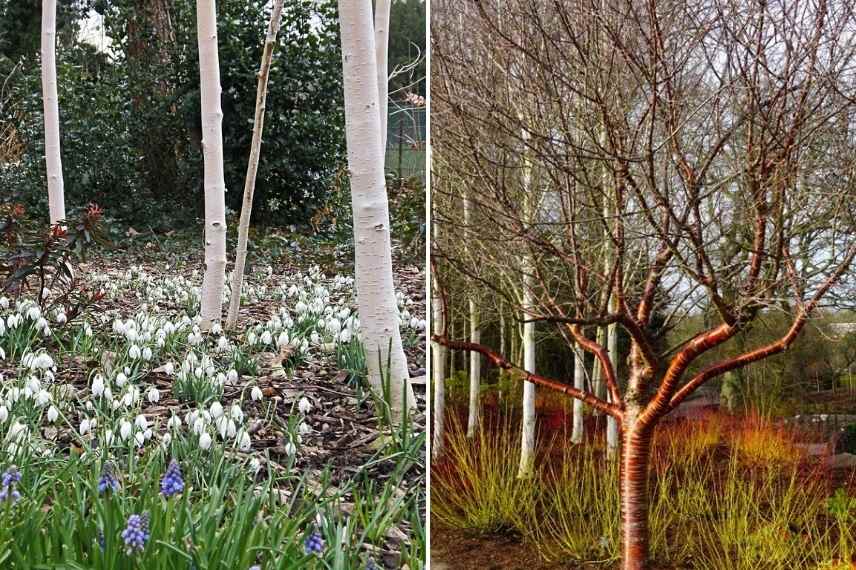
[53,160]
[252,165]
[214,279]
[379,326]
[383,9]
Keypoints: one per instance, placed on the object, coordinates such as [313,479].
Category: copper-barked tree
[684,156]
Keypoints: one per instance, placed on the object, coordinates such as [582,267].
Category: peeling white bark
[527,448]
[53,160]
[475,373]
[373,265]
[578,429]
[214,280]
[438,373]
[253,165]
[381,30]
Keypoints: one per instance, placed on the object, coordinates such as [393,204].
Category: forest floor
[282,398]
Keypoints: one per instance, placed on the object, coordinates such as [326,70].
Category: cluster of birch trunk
[365,37]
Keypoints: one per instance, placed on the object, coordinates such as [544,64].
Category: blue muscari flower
[9,482]
[108,480]
[136,534]
[11,476]
[172,483]
[314,544]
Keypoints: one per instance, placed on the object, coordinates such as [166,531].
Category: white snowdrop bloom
[251,338]
[216,329]
[414,323]
[236,412]
[41,323]
[204,440]
[256,393]
[304,428]
[199,372]
[222,425]
[174,422]
[166,439]
[61,317]
[4,303]
[108,393]
[127,371]
[87,329]
[53,414]
[4,414]
[116,404]
[93,423]
[304,405]
[290,448]
[85,426]
[46,332]
[169,368]
[140,438]
[108,437]
[131,335]
[148,434]
[125,429]
[244,442]
[134,352]
[147,353]
[345,336]
[292,291]
[153,395]
[216,410]
[222,344]
[33,313]
[43,361]
[282,340]
[128,399]
[255,465]
[333,327]
[97,386]
[266,337]
[421,325]
[304,346]
[315,337]
[206,415]
[121,379]
[89,406]
[160,343]
[43,398]
[301,308]
[2,326]
[210,371]
[17,431]
[198,425]
[232,376]
[231,428]
[405,315]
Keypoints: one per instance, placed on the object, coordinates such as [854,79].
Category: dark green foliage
[130,122]
[847,440]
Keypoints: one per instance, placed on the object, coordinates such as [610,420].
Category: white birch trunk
[578,428]
[475,372]
[214,280]
[381,30]
[527,449]
[611,423]
[373,265]
[252,166]
[438,374]
[56,192]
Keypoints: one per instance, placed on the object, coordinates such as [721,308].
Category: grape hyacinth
[10,480]
[314,544]
[172,483]
[136,534]
[108,480]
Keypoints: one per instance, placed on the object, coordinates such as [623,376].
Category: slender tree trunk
[381,30]
[475,372]
[527,451]
[611,423]
[475,336]
[56,193]
[501,329]
[373,266]
[578,429]
[438,374]
[635,457]
[214,280]
[253,165]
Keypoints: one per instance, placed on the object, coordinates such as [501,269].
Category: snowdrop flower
[134,352]
[345,336]
[169,368]
[166,439]
[108,437]
[266,337]
[4,414]
[153,396]
[282,340]
[255,465]
[315,337]
[140,438]
[251,338]
[125,429]
[204,440]
[121,379]
[244,443]
[222,344]
[61,318]
[237,413]
[216,329]
[97,386]
[174,422]
[85,426]
[304,405]
[53,414]
[141,422]
[290,449]
[232,376]
[216,410]
[43,398]
[256,393]
[4,303]
[198,425]
[147,353]
[304,428]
